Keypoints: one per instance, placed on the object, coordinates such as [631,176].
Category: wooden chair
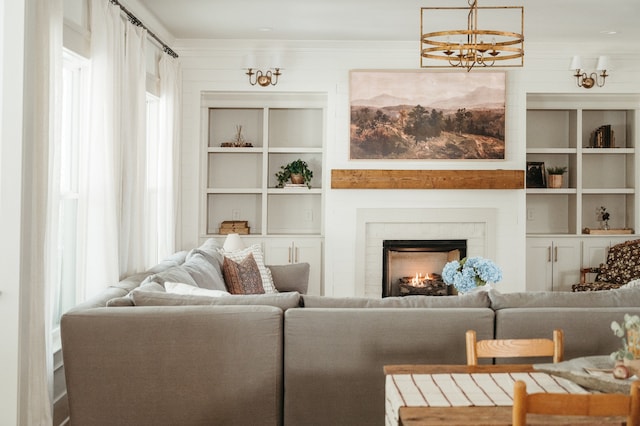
[596,405]
[512,348]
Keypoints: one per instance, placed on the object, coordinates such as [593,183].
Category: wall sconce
[264,79]
[588,81]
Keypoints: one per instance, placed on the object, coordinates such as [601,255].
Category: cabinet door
[553,265]
[309,250]
[539,264]
[566,258]
[283,251]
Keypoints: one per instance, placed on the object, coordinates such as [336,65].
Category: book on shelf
[234,227]
[295,185]
[603,137]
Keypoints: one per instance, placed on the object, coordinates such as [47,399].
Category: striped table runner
[463,390]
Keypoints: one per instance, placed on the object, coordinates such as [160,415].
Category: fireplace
[415,266]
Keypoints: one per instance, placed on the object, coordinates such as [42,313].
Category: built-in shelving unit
[239,183]
[560,131]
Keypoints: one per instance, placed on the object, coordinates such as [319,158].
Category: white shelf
[551,191]
[552,150]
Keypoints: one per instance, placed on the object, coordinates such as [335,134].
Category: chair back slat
[513,348]
[590,405]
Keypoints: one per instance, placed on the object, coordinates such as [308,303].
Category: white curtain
[99,192]
[167,176]
[43,68]
[133,214]
[113,192]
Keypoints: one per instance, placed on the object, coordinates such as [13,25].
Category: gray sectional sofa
[152,358]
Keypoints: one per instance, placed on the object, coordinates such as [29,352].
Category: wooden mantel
[426,179]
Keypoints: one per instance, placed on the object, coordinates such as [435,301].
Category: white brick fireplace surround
[476,226]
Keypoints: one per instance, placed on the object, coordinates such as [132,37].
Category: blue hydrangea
[469,273]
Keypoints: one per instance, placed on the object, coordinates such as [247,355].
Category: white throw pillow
[632,284]
[179,288]
[239,255]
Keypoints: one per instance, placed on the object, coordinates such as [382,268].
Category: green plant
[559,170]
[297,167]
[629,332]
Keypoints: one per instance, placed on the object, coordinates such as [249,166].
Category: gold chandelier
[472,46]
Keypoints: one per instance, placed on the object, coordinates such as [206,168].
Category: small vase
[555,181]
[297,179]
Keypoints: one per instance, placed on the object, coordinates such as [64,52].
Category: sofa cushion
[242,277]
[204,270]
[175,259]
[292,277]
[175,274]
[478,299]
[265,274]
[283,301]
[549,299]
[126,299]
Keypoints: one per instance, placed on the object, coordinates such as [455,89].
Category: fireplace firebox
[415,266]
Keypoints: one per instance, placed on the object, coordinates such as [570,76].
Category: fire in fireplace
[411,267]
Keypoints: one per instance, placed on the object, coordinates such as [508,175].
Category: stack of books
[603,137]
[234,227]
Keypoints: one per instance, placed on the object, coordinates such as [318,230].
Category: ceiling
[357,20]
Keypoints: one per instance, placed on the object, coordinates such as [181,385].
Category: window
[66,291]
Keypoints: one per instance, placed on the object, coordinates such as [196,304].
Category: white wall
[324,66]
[12,16]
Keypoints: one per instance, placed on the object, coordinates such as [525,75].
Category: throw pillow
[242,277]
[256,251]
[179,288]
[204,270]
[293,277]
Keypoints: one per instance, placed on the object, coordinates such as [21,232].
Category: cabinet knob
[289,254]
[549,254]
[555,254]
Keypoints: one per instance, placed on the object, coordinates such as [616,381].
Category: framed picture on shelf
[536,175]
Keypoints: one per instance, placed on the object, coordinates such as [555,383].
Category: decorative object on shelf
[629,331]
[234,227]
[238,140]
[295,174]
[233,242]
[589,80]
[555,176]
[603,217]
[610,231]
[471,273]
[536,176]
[413,115]
[472,46]
[603,137]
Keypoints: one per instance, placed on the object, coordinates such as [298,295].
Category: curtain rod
[135,21]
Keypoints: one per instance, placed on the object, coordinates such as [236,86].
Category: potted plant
[297,172]
[629,332]
[555,176]
[468,274]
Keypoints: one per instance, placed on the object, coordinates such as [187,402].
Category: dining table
[472,395]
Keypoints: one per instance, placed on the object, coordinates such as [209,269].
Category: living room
[323,66]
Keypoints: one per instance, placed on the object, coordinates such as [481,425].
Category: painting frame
[427,115]
[536,176]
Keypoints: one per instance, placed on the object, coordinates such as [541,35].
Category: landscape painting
[417,115]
